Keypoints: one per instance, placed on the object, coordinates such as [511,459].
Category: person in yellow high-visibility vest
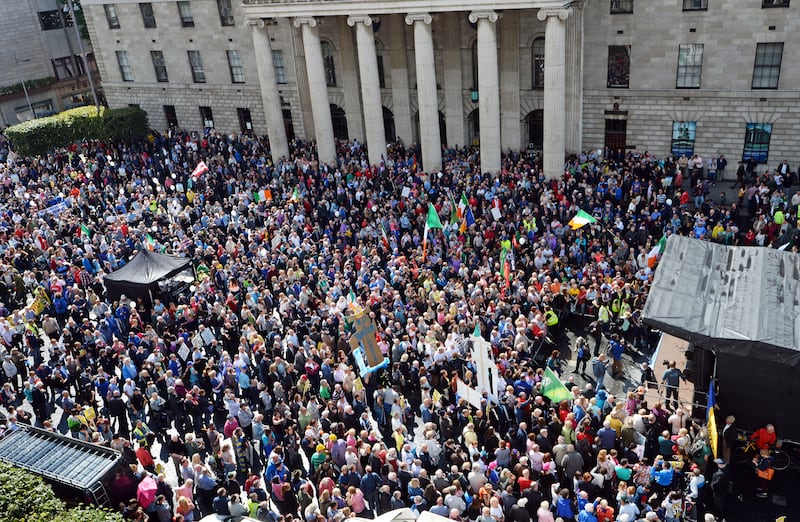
[604,316]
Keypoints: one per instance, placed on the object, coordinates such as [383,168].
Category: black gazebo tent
[141,276]
[743,305]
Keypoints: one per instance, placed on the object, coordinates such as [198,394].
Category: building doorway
[534,122]
[616,132]
[474,128]
[288,124]
[245,121]
[339,121]
[388,126]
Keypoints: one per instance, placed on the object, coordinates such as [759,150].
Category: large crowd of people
[245,382]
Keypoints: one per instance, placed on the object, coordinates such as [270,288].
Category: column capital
[425,18]
[490,15]
[562,14]
[302,20]
[359,19]
[257,23]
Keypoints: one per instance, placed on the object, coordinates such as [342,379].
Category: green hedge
[42,135]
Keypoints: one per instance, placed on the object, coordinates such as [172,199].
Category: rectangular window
[225,13]
[148,16]
[64,67]
[756,142]
[196,63]
[774,3]
[185,12]
[279,65]
[245,120]
[81,70]
[171,115]
[381,73]
[683,134]
[159,66]
[124,66]
[51,20]
[767,67]
[235,66]
[695,5]
[690,66]
[621,6]
[207,116]
[111,16]
[619,66]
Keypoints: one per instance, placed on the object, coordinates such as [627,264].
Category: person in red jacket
[764,437]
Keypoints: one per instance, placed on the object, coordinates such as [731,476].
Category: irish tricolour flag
[580,219]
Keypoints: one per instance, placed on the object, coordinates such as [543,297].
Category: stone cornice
[318,8]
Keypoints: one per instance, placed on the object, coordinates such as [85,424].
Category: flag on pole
[200,169]
[657,250]
[581,218]
[85,231]
[463,205]
[384,237]
[553,388]
[711,421]
[505,265]
[431,222]
[150,243]
[477,331]
[295,195]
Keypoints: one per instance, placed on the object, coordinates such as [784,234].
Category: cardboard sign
[406,192]
[364,334]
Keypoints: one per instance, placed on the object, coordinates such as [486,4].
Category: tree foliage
[25,497]
[42,135]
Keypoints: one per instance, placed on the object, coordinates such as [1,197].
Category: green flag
[553,388]
[477,331]
[433,220]
[85,231]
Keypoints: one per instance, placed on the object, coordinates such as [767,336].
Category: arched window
[537,64]
[339,123]
[327,60]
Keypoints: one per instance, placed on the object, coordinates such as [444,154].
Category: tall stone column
[554,84]
[488,90]
[318,88]
[270,97]
[426,91]
[370,87]
[398,60]
[347,79]
[452,30]
[574,80]
[510,127]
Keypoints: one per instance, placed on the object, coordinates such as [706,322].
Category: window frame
[236,69]
[198,69]
[111,16]
[56,20]
[772,4]
[621,7]
[148,18]
[701,5]
[627,85]
[187,17]
[537,64]
[66,63]
[686,72]
[753,153]
[122,56]
[328,63]
[279,66]
[204,119]
[770,68]
[222,7]
[154,54]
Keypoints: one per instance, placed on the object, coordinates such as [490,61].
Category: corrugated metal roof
[56,457]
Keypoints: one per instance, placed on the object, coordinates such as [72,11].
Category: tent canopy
[741,301]
[148,268]
[140,277]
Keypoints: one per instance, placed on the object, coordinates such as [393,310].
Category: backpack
[697,448]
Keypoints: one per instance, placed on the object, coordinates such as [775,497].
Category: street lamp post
[22,81]
[69,7]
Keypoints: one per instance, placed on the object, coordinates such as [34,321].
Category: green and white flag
[553,388]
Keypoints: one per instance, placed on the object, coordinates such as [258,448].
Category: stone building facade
[41,49]
[681,76]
